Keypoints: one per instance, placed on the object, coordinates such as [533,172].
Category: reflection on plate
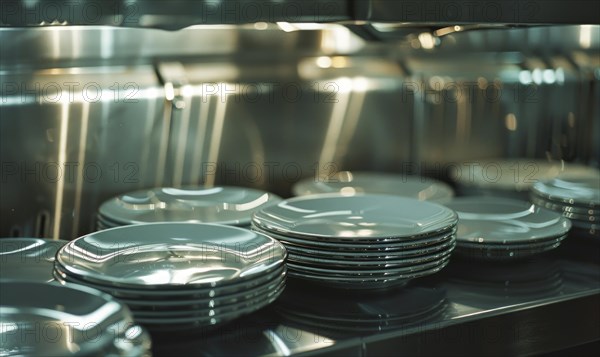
[28,259]
[362,218]
[178,276]
[574,195]
[223,205]
[360,242]
[351,183]
[83,321]
[485,220]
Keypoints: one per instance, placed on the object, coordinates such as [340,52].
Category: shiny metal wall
[95,113]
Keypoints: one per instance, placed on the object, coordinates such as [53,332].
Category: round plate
[171,255]
[375,247]
[354,273]
[171,294]
[209,311]
[365,283]
[355,219]
[189,306]
[538,244]
[505,221]
[497,254]
[212,320]
[83,321]
[581,190]
[511,175]
[373,264]
[224,205]
[563,207]
[28,259]
[368,255]
[351,183]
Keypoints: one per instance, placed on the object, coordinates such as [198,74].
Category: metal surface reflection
[335,313]
[476,300]
[486,220]
[349,183]
[362,218]
[30,259]
[84,322]
[223,205]
[485,285]
[171,255]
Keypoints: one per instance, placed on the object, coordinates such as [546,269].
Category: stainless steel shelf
[537,306]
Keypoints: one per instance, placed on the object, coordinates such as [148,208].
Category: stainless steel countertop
[544,304]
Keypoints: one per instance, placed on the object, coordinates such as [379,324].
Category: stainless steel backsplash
[88,113]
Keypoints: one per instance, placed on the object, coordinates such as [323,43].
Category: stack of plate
[360,242]
[223,205]
[30,259]
[40,319]
[351,183]
[175,276]
[575,196]
[329,311]
[507,178]
[501,228]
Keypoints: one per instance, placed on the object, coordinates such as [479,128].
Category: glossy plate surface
[171,255]
[173,295]
[539,244]
[505,221]
[200,321]
[565,208]
[369,283]
[381,257]
[352,183]
[190,306]
[224,205]
[506,254]
[364,247]
[83,321]
[319,261]
[355,272]
[355,219]
[210,311]
[575,189]
[30,259]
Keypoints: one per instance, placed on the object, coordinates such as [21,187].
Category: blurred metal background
[90,112]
